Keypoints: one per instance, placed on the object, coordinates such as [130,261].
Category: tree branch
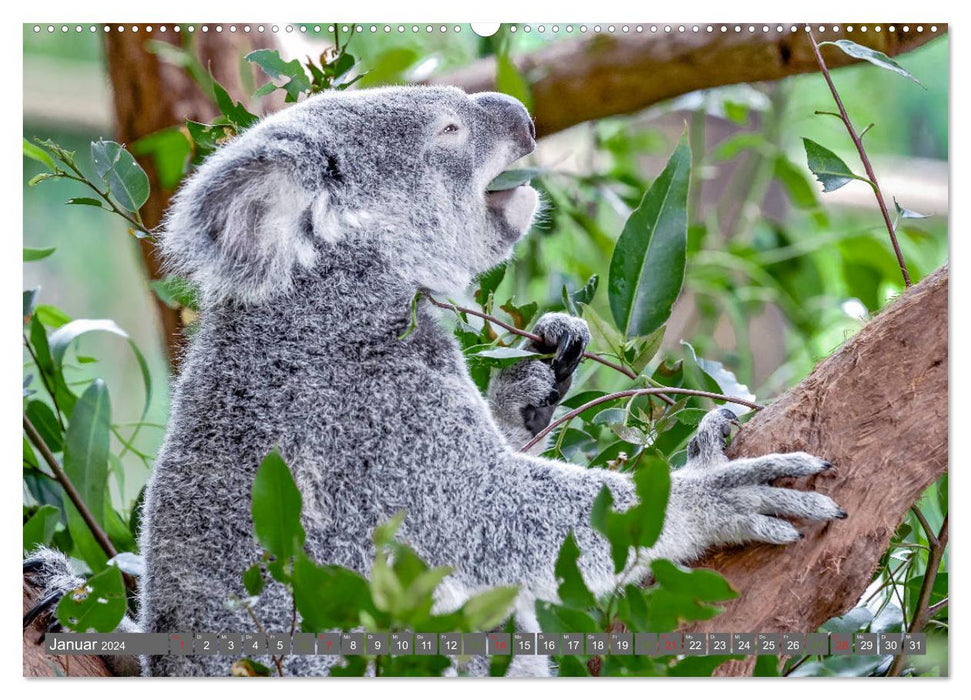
[69,489]
[876,408]
[610,74]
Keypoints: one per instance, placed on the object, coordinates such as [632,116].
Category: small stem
[923,610]
[69,489]
[633,392]
[104,195]
[535,338]
[857,141]
[43,379]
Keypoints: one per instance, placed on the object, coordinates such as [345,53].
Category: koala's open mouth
[510,195]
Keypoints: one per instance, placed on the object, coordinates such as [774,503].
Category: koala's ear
[243,221]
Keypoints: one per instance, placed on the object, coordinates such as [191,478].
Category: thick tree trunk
[877,408]
[150,95]
[609,74]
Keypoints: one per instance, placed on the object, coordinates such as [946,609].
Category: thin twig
[43,379]
[936,607]
[69,489]
[931,536]
[633,392]
[922,612]
[858,142]
[535,338]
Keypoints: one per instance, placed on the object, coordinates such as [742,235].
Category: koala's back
[358,425]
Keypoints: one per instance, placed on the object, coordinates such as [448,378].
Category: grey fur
[310,235]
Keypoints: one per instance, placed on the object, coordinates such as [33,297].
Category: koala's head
[400,171]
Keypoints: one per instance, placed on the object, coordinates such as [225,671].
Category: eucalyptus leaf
[647,266]
[61,339]
[828,167]
[511,179]
[39,154]
[276,509]
[39,529]
[86,449]
[35,254]
[877,58]
[98,605]
[127,182]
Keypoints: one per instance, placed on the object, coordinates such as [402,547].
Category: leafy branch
[629,393]
[883,61]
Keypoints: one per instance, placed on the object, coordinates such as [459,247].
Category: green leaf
[36,179]
[647,266]
[53,317]
[98,605]
[521,315]
[699,584]
[278,69]
[489,281]
[276,509]
[828,168]
[39,154]
[86,201]
[30,299]
[877,58]
[235,112]
[176,292]
[639,526]
[329,597]
[126,181]
[506,356]
[34,254]
[62,338]
[643,350]
[605,337]
[86,445]
[486,610]
[724,380]
[511,179]
[572,589]
[560,619]
[249,668]
[40,528]
[511,81]
[253,580]
[766,667]
[908,213]
[170,150]
[42,417]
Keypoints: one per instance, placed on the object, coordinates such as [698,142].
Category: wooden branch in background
[150,95]
[574,81]
[877,408]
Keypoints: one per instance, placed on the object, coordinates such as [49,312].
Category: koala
[309,236]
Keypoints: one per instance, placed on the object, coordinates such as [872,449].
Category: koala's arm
[523,397]
[713,502]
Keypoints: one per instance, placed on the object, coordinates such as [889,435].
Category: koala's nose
[512,115]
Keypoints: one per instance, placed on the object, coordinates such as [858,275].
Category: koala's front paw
[732,503]
[567,337]
[524,396]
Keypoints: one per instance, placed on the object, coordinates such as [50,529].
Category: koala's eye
[451,129]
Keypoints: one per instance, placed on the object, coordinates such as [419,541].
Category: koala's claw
[569,352]
[707,447]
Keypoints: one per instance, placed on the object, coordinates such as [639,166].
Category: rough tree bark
[877,408]
[150,95]
[609,74]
